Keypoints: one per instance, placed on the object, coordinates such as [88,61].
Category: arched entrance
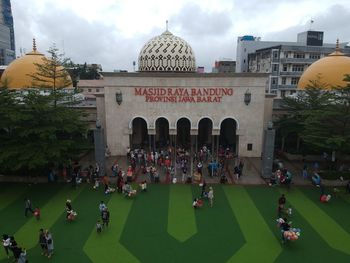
[183,137]
[162,133]
[139,137]
[228,137]
[205,129]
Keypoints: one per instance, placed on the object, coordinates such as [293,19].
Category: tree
[40,129]
[329,128]
[320,117]
[51,75]
[298,108]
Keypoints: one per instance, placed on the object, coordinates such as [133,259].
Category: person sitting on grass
[98,226]
[71,214]
[143,186]
[127,190]
[37,213]
[197,203]
[284,226]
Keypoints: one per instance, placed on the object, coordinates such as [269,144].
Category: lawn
[161,226]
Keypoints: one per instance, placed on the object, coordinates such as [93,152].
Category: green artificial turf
[161,226]
[181,216]
[259,238]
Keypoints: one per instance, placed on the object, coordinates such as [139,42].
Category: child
[98,226]
[143,186]
[97,183]
[37,213]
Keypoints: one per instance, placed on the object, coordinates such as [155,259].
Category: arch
[135,117]
[162,137]
[229,117]
[159,117]
[205,131]
[139,135]
[183,132]
[228,138]
[205,117]
[183,117]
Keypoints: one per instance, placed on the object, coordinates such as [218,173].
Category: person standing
[105,217]
[69,208]
[14,248]
[211,196]
[27,207]
[240,166]
[281,204]
[6,242]
[102,206]
[49,242]
[22,256]
[42,242]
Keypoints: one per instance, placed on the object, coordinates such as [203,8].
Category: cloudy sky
[112,32]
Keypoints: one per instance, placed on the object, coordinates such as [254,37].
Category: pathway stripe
[260,240]
[181,217]
[53,209]
[333,234]
[105,247]
[9,195]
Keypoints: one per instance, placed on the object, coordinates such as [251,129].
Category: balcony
[298,60]
[291,73]
[287,87]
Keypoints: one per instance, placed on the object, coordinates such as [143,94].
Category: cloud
[334,22]
[195,21]
[114,36]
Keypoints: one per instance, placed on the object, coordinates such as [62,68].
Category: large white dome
[167,53]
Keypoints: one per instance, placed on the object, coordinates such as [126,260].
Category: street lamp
[247,97]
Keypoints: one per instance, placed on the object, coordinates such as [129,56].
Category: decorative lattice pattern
[167,53]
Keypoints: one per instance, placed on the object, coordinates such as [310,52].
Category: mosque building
[167,102]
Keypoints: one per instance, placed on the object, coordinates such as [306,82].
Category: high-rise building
[224,66]
[7,35]
[284,61]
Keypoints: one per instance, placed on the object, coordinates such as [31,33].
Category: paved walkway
[251,172]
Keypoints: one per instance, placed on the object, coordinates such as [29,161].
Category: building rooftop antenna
[311,23]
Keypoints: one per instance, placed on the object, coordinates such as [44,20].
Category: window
[284,80]
[286,54]
[285,68]
[97,90]
[299,55]
[249,147]
[274,81]
[89,90]
[244,61]
[283,93]
[274,67]
[315,55]
[298,68]
[292,92]
[294,81]
[275,54]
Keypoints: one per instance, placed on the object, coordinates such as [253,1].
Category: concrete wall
[249,118]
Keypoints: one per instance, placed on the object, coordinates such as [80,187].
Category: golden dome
[328,71]
[18,74]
